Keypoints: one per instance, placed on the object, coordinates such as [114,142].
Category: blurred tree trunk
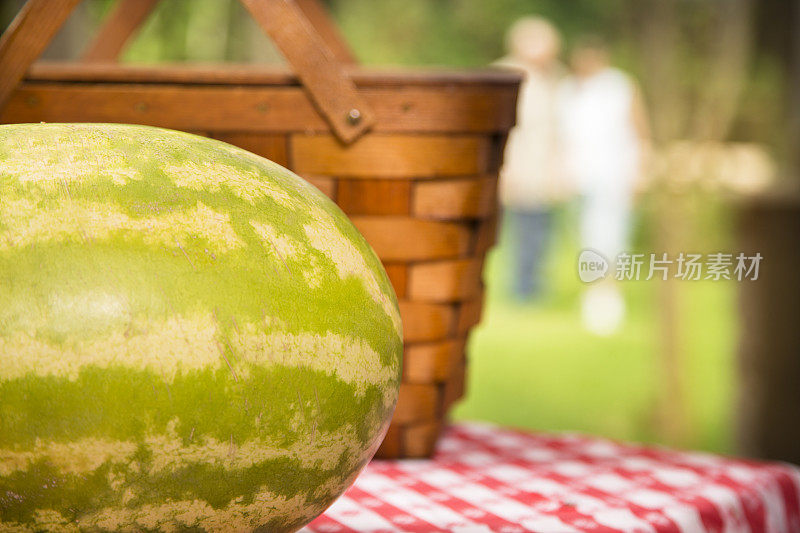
[769,360]
[794,95]
[702,113]
[778,37]
[729,59]
[660,39]
[769,399]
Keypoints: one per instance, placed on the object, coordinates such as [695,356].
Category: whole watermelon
[191,336]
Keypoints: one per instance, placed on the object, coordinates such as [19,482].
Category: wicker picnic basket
[411,157]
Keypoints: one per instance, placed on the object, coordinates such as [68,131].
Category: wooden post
[769,348]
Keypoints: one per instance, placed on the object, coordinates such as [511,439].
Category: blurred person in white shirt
[603,131]
[530,182]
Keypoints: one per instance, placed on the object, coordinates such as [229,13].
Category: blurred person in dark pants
[530,184]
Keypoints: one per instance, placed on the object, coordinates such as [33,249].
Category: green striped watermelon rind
[191,336]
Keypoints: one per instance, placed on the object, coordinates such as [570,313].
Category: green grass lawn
[533,365]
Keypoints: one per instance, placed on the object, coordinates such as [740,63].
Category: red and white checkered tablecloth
[484,478]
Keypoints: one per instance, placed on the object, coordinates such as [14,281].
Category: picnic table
[484,478]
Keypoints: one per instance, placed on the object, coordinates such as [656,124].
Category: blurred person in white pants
[603,132]
[530,183]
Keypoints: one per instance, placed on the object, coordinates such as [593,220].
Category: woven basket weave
[418,180]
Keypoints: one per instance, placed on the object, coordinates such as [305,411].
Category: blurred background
[719,81]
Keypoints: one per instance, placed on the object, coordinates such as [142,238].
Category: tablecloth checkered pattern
[484,478]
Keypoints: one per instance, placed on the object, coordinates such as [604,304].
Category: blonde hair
[530,28]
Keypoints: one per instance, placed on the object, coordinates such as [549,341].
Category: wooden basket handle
[287,22]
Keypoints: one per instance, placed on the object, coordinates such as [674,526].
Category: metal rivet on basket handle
[317,61]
